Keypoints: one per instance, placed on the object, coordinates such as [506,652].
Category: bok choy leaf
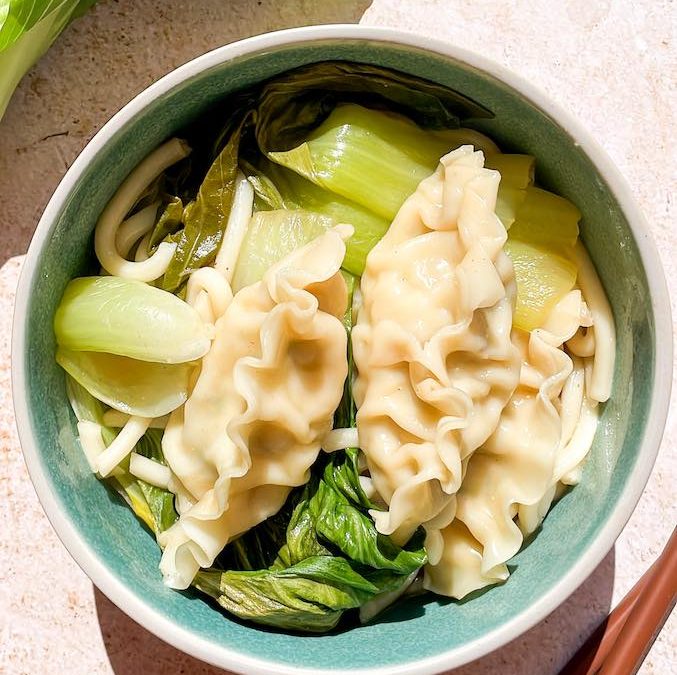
[309,596]
[292,104]
[349,527]
[205,218]
[169,222]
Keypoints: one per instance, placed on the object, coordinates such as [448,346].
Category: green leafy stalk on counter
[27,30]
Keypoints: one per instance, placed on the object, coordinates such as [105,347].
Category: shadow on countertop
[99,63]
[544,649]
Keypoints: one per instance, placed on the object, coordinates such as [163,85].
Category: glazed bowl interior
[423,634]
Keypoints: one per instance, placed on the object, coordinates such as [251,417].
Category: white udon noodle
[481,515]
[110,222]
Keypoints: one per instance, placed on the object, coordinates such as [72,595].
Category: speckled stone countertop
[612,63]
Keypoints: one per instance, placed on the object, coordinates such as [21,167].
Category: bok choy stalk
[131,386]
[27,30]
[272,235]
[371,157]
[276,116]
[280,188]
[376,160]
[129,344]
[546,220]
[543,278]
[542,233]
[128,318]
[152,505]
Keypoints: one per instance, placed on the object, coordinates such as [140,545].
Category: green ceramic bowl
[424,635]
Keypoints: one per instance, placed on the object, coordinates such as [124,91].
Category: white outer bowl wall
[221,656]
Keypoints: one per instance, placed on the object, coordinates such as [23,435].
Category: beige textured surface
[612,64]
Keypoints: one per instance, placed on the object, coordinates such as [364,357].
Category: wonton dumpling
[512,479]
[264,399]
[432,346]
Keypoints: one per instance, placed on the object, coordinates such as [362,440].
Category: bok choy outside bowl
[423,635]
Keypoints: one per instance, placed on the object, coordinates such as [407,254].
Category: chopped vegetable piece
[134,387]
[168,223]
[543,278]
[128,318]
[546,220]
[270,237]
[281,188]
[206,218]
[508,202]
[517,171]
[371,157]
[308,596]
[455,138]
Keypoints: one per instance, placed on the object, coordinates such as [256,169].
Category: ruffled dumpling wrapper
[262,403]
[432,346]
[544,434]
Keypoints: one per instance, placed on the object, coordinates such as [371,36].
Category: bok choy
[128,318]
[129,385]
[372,157]
[27,30]
[129,344]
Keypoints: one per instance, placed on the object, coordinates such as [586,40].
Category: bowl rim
[224,657]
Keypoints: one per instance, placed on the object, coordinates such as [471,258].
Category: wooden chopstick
[589,658]
[647,617]
[620,643]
